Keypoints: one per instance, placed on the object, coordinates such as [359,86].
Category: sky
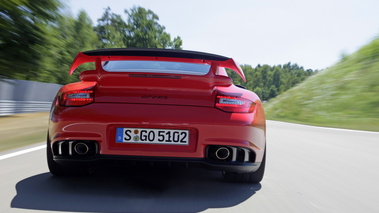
[312,33]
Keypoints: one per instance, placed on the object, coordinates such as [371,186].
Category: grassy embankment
[22,129]
[345,95]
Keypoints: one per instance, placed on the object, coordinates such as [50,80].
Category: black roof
[173,53]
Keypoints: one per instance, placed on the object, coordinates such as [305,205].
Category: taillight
[76,98]
[234,104]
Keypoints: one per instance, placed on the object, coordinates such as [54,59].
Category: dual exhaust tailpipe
[222,153]
[81,148]
[219,153]
[75,148]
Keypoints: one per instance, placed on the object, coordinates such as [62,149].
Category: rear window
[156,67]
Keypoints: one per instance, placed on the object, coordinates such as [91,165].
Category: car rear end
[157,110]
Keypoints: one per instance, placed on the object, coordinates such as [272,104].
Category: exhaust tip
[81,148]
[222,153]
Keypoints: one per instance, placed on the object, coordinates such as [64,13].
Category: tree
[143,30]
[22,35]
[67,36]
[272,92]
[258,91]
[277,77]
[111,30]
[38,42]
[269,81]
[76,35]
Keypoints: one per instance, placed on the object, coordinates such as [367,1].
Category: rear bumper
[208,126]
[140,161]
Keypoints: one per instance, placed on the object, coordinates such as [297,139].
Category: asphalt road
[309,169]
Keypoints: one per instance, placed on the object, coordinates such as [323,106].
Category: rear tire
[59,170]
[250,177]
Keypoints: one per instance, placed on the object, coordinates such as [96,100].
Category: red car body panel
[238,131]
[157,101]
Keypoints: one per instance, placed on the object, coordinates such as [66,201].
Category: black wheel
[58,170]
[250,177]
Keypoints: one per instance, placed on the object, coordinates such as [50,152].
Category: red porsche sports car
[157,107]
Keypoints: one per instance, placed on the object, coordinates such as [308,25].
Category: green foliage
[23,25]
[111,30]
[145,31]
[269,81]
[67,37]
[345,95]
[140,30]
[38,42]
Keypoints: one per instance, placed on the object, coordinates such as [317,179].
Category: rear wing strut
[115,54]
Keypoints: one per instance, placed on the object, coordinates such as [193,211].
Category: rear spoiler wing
[114,54]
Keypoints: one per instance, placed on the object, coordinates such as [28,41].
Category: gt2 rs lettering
[154,136]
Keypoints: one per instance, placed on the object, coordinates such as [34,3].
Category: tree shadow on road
[167,190]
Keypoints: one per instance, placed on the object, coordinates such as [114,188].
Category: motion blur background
[310,62]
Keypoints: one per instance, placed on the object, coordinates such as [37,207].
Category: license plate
[152,136]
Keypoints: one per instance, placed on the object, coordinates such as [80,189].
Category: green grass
[345,95]
[23,129]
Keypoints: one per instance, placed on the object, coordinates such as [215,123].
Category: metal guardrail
[8,107]
[21,96]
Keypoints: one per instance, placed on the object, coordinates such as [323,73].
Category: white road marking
[21,152]
[327,128]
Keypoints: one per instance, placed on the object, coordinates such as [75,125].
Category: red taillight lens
[234,104]
[76,98]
